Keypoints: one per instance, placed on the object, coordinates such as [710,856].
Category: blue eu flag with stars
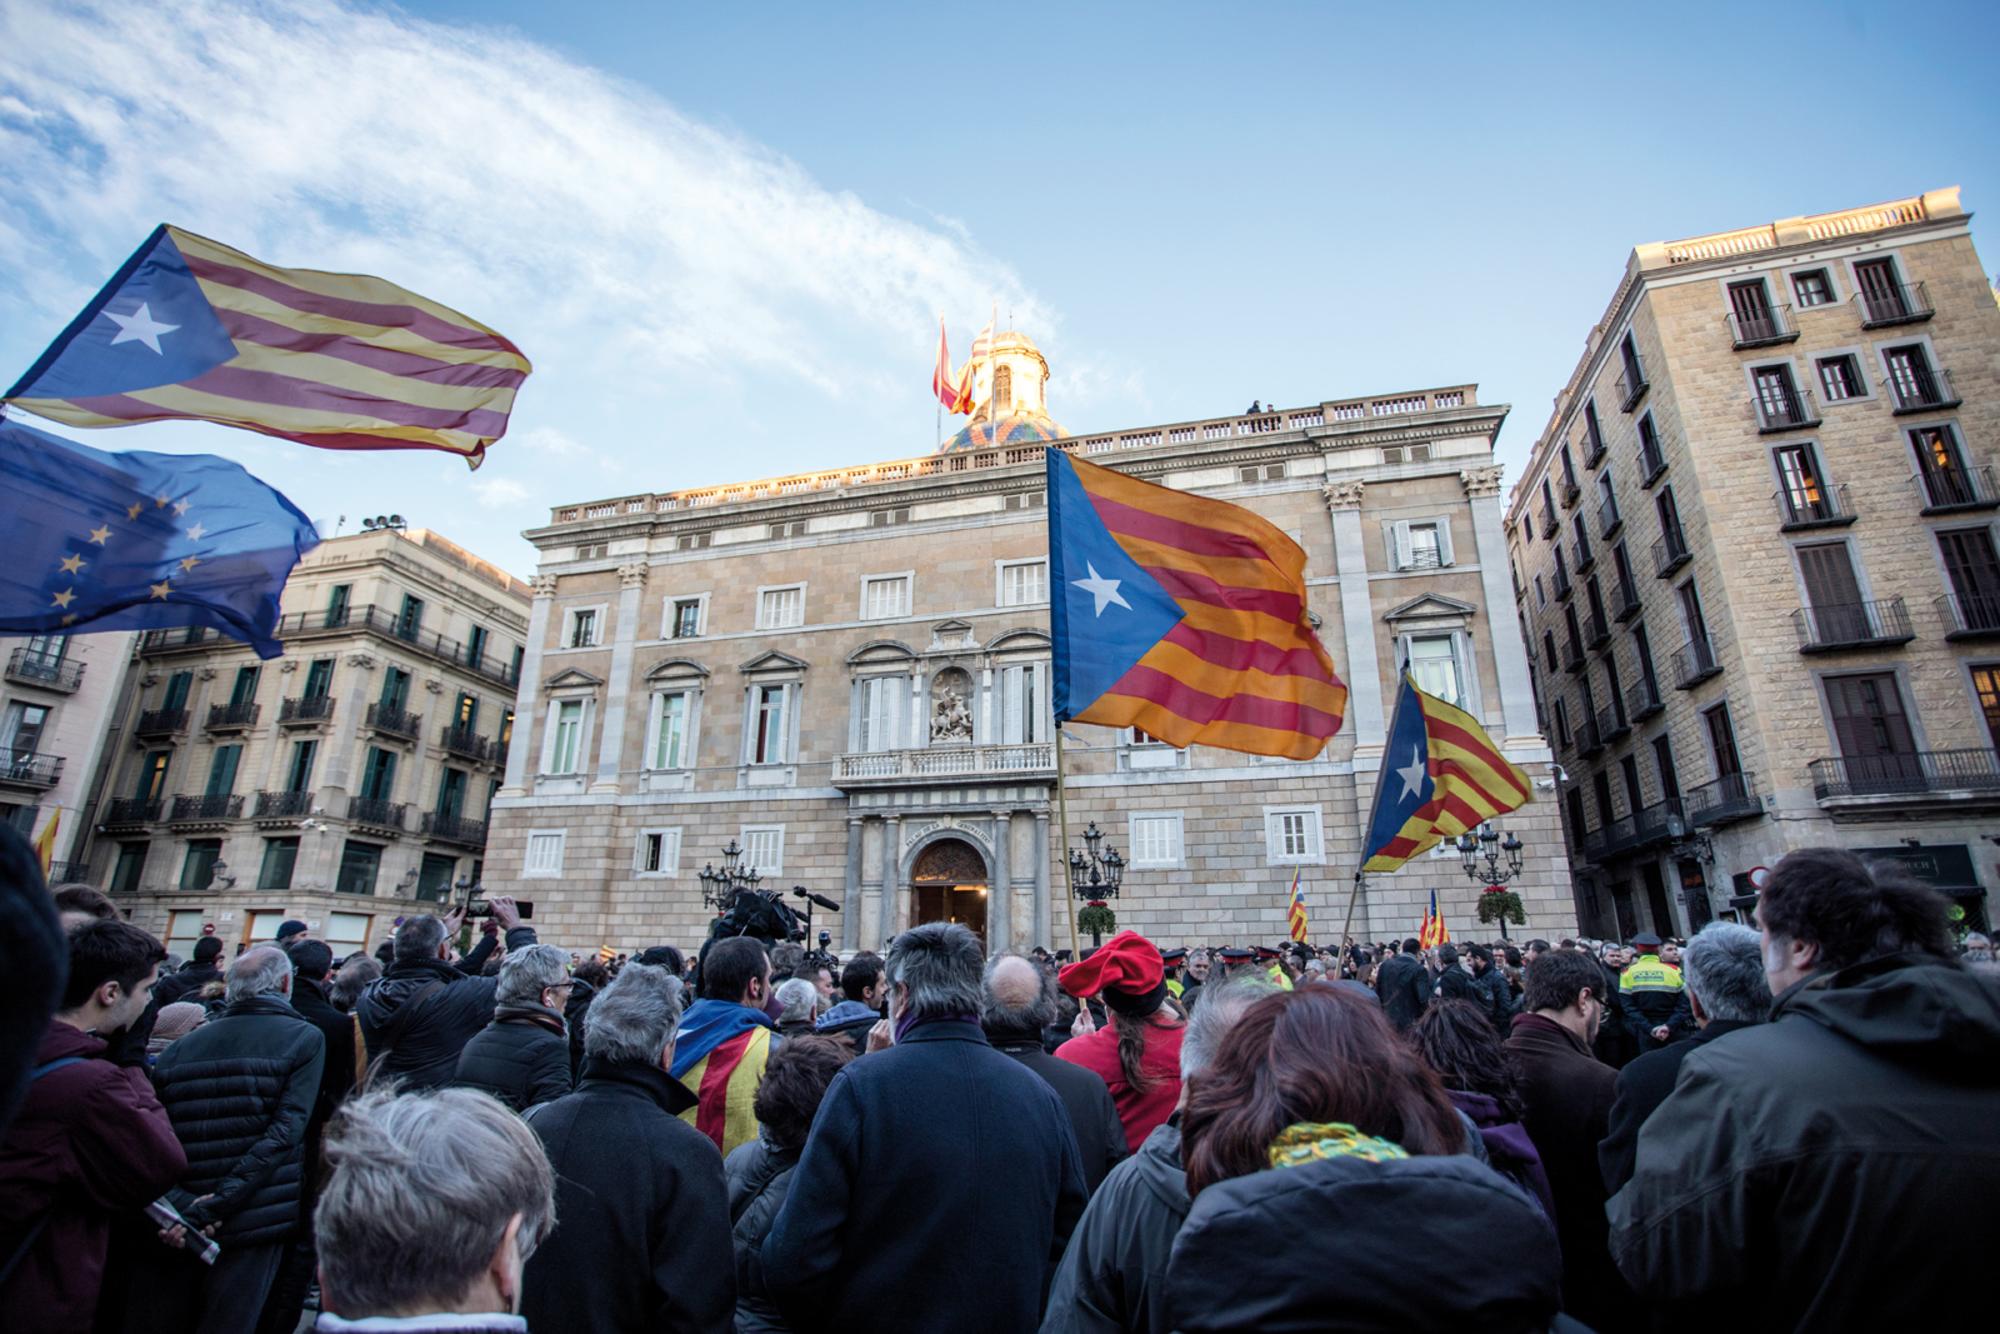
[140,541]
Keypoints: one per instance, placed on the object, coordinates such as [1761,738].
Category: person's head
[1311,1055]
[77,903]
[795,1079]
[537,975]
[632,1021]
[263,971]
[737,969]
[1208,1026]
[1413,946]
[1724,972]
[290,930]
[1197,965]
[787,957]
[933,972]
[421,937]
[404,1228]
[1017,998]
[822,980]
[352,978]
[1457,1040]
[1447,955]
[861,980]
[664,956]
[1978,947]
[1513,956]
[112,968]
[1481,959]
[1823,909]
[1670,953]
[206,951]
[798,1001]
[1568,987]
[311,959]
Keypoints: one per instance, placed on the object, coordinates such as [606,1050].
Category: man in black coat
[1489,987]
[186,982]
[642,1239]
[1404,985]
[522,1057]
[417,1017]
[1017,1002]
[941,1180]
[240,1091]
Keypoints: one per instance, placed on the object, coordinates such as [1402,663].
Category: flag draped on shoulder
[719,1056]
[1183,616]
[1297,914]
[189,329]
[1441,775]
[45,842]
[140,541]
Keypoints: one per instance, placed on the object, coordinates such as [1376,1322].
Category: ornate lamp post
[719,888]
[1095,873]
[1482,853]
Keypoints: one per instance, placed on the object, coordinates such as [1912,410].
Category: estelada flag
[189,329]
[1441,775]
[1298,910]
[1183,616]
[1433,932]
[719,1056]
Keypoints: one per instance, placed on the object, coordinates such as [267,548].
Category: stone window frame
[587,697]
[1833,283]
[1000,568]
[529,871]
[1847,264]
[1953,523]
[1177,821]
[1900,674]
[1839,536]
[1807,384]
[1861,354]
[1878,353]
[1273,853]
[701,629]
[602,612]
[670,866]
[1395,542]
[676,676]
[909,582]
[1136,756]
[758,606]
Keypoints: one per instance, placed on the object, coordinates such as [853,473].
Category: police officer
[1656,1004]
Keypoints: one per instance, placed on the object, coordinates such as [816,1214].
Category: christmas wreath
[1499,904]
[1097,917]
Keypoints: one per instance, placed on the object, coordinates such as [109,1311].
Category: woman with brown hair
[1327,1168]
[1138,1054]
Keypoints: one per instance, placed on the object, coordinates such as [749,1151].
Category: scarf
[1311,1141]
[910,1021]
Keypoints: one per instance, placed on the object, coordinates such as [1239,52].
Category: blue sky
[724,232]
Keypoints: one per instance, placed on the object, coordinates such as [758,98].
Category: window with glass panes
[1811,287]
[566,739]
[1156,840]
[881,709]
[435,875]
[319,678]
[1023,583]
[1840,378]
[685,622]
[781,608]
[1024,703]
[1293,835]
[131,864]
[360,864]
[281,857]
[885,597]
[198,868]
[222,770]
[658,852]
[1434,664]
[298,773]
[768,742]
[668,747]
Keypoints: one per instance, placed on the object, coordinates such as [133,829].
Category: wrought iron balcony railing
[282,805]
[1788,410]
[1813,507]
[1898,303]
[1922,389]
[376,812]
[1763,329]
[1694,662]
[30,769]
[208,809]
[445,827]
[1970,615]
[1851,625]
[1918,774]
[233,717]
[46,670]
[1728,799]
[397,722]
[305,710]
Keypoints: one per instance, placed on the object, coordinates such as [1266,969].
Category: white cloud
[499,493]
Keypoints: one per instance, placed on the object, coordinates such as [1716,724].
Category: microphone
[819,900]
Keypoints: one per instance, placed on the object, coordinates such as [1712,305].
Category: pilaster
[527,705]
[1357,614]
[1000,894]
[611,739]
[850,899]
[892,855]
[1510,652]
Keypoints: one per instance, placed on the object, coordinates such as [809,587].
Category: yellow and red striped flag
[1298,909]
[189,329]
[45,842]
[719,1056]
[1441,775]
[1433,932]
[1183,616]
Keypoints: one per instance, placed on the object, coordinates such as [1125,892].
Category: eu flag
[140,541]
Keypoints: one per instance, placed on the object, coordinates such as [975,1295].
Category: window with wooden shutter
[1973,568]
[1871,730]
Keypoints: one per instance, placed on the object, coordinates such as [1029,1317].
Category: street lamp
[1482,853]
[719,888]
[1095,873]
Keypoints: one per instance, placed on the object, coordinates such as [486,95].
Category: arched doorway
[948,884]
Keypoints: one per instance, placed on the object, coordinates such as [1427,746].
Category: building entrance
[948,884]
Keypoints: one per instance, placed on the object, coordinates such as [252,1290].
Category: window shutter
[1400,538]
[1012,683]
[1444,541]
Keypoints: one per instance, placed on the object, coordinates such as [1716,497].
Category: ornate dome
[1016,428]
[1009,407]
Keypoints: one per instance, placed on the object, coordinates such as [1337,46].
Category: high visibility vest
[1173,985]
[1647,973]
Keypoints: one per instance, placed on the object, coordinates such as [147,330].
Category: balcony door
[1777,400]
[1873,733]
[1800,485]
[21,729]
[395,690]
[1946,481]
[378,775]
[1910,375]
[1833,594]
[1973,567]
[1752,306]
[1880,292]
[451,795]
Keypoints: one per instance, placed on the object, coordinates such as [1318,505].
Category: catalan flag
[719,1056]
[1182,616]
[1441,775]
[45,842]
[189,329]
[1433,932]
[1298,911]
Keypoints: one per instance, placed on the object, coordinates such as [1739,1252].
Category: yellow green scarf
[1309,1141]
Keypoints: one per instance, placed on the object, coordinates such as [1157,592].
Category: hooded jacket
[446,1007]
[521,1058]
[1405,989]
[1829,1169]
[1113,1276]
[1507,1147]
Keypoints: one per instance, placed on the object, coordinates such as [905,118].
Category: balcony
[1898,303]
[1571,492]
[1652,463]
[442,827]
[378,621]
[1728,799]
[215,809]
[1593,448]
[1596,631]
[161,723]
[1814,506]
[28,668]
[30,769]
[1551,521]
[392,721]
[377,813]
[1572,654]
[305,710]
[1035,761]
[1633,384]
[1693,663]
[1768,327]
[282,806]
[1921,389]
[1852,625]
[1643,701]
[1560,582]
[233,717]
[1609,520]
[68,872]
[1789,410]
[1582,552]
[128,811]
[1914,778]
[1589,740]
[1957,490]
[466,743]
[1627,604]
[1644,828]
[1970,615]
[1612,727]
[1670,553]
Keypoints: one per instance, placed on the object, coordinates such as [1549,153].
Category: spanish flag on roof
[1441,775]
[719,1056]
[1183,616]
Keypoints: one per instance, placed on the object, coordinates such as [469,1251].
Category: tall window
[1881,295]
[1434,664]
[685,620]
[1607,505]
[336,603]
[451,794]
[1722,742]
[668,746]
[1024,583]
[360,864]
[21,728]
[1942,464]
[882,709]
[582,628]
[319,678]
[410,619]
[245,689]
[176,696]
[131,865]
[885,597]
[1003,389]
[1024,703]
[1750,303]
[199,867]
[566,745]
[1986,685]
[1691,617]
[1870,726]
[1670,522]
[281,856]
[781,608]
[395,689]
[298,774]
[1833,593]
[1800,487]
[378,774]
[1663,764]
[1642,647]
[153,775]
[465,713]
[1973,568]
[767,725]
[222,770]
[475,646]
[1811,287]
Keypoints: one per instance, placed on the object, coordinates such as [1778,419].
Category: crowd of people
[1785,1126]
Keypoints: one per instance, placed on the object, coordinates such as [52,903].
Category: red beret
[1127,962]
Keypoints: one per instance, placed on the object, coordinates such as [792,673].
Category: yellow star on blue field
[72,563]
[132,510]
[101,534]
[64,598]
[160,590]
[189,562]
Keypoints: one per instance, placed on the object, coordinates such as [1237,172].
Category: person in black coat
[1017,1002]
[941,1180]
[186,982]
[589,978]
[240,1091]
[417,1018]
[1404,985]
[642,1238]
[522,1057]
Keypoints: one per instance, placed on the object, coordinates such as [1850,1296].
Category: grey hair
[1724,968]
[799,998]
[1037,1014]
[419,938]
[525,973]
[1220,1006]
[263,971]
[402,1225]
[939,965]
[634,1018]
[352,978]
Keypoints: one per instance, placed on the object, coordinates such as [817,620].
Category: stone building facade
[58,701]
[1755,563]
[343,783]
[846,673]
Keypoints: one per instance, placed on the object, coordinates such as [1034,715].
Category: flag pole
[1062,848]
[1360,878]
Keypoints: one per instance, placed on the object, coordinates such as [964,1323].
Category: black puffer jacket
[1113,1276]
[759,1177]
[420,1049]
[239,1091]
[521,1058]
[184,983]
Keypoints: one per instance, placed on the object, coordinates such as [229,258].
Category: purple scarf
[910,1021]
[1512,1153]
